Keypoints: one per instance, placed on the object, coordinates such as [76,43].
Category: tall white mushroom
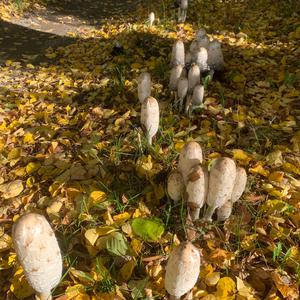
[182,270]
[190,156]
[150,117]
[224,212]
[151,18]
[193,77]
[196,100]
[196,190]
[177,56]
[200,58]
[144,86]
[182,89]
[183,6]
[38,253]
[174,77]
[175,185]
[202,38]
[221,182]
[240,182]
[215,58]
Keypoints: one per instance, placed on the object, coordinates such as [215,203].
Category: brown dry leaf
[288,288]
[11,189]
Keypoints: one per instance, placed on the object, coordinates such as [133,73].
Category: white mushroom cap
[190,156]
[38,252]
[176,73]
[150,117]
[182,87]
[224,211]
[215,58]
[177,57]
[175,185]
[197,190]
[193,77]
[198,94]
[239,184]
[144,86]
[151,18]
[221,182]
[200,58]
[182,269]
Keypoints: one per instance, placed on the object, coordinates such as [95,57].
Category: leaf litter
[71,148]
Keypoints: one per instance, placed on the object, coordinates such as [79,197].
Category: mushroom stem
[174,298]
[209,213]
[149,140]
[195,212]
[45,296]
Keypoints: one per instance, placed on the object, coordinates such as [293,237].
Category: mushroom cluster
[149,108]
[218,189]
[203,58]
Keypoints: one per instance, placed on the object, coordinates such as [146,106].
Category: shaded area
[94,12]
[17,42]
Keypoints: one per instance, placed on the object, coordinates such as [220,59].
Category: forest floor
[72,148]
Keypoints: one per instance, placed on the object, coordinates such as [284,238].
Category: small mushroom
[176,73]
[177,56]
[190,156]
[196,100]
[221,182]
[182,89]
[175,185]
[144,86]
[193,77]
[196,190]
[215,58]
[202,38]
[38,253]
[224,212]
[182,270]
[200,58]
[151,18]
[150,117]
[183,6]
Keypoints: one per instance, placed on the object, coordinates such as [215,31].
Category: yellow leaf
[212,279]
[94,233]
[291,168]
[28,138]
[225,287]
[136,66]
[244,290]
[19,285]
[276,176]
[136,246]
[127,269]
[32,167]
[97,197]
[11,189]
[121,218]
[5,242]
[76,292]
[259,169]
[14,153]
[241,156]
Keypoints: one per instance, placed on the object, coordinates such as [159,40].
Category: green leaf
[148,229]
[137,288]
[117,244]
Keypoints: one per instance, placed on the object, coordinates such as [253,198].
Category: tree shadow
[94,11]
[17,42]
